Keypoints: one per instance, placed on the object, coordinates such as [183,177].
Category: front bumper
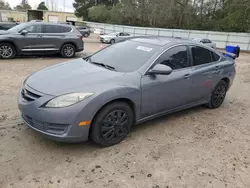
[103,40]
[59,124]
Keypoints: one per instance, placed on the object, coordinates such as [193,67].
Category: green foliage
[99,13]
[4,5]
[220,15]
[42,6]
[24,5]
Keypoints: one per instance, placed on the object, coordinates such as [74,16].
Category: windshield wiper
[88,58]
[104,65]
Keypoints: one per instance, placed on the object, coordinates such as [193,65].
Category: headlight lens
[67,100]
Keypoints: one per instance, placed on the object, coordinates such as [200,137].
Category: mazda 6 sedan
[101,96]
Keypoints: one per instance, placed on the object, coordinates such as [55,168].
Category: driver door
[32,41]
[162,93]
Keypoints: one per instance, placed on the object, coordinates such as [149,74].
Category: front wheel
[112,41]
[7,51]
[68,51]
[112,124]
[218,95]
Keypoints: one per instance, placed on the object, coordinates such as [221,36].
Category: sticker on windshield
[143,48]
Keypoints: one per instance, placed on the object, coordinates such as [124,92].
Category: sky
[34,4]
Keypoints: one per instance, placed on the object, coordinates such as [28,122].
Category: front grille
[101,39]
[29,96]
[52,128]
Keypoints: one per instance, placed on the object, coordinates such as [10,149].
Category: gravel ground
[193,148]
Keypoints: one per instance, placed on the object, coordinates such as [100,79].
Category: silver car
[102,96]
[114,37]
[206,42]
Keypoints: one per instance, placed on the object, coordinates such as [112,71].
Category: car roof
[46,23]
[158,40]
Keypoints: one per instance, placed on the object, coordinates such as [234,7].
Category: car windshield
[127,56]
[18,28]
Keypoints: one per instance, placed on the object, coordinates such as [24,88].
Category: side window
[209,41]
[215,56]
[66,29]
[121,34]
[201,55]
[176,58]
[52,29]
[126,34]
[34,29]
[203,41]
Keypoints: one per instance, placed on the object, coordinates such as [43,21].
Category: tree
[24,5]
[82,6]
[42,6]
[4,5]
[219,15]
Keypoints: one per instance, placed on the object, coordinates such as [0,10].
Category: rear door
[205,72]
[53,36]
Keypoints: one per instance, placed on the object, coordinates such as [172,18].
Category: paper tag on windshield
[143,48]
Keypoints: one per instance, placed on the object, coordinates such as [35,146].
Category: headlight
[67,100]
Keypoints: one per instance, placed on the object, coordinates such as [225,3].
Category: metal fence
[220,38]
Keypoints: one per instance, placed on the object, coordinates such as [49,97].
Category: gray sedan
[102,96]
[114,37]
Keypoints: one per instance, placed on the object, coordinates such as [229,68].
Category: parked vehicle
[103,95]
[84,30]
[206,42]
[114,37]
[7,25]
[99,31]
[40,38]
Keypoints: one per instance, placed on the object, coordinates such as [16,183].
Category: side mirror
[160,69]
[24,32]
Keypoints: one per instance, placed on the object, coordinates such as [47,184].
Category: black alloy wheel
[112,124]
[218,95]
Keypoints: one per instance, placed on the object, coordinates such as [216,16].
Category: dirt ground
[190,149]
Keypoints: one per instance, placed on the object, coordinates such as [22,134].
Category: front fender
[121,92]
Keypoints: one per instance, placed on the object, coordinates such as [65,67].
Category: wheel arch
[125,100]
[12,43]
[68,42]
[227,81]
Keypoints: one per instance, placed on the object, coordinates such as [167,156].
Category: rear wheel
[85,35]
[218,95]
[112,124]
[7,51]
[68,51]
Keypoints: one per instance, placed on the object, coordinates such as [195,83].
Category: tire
[85,35]
[7,51]
[112,132]
[218,95]
[68,51]
[112,41]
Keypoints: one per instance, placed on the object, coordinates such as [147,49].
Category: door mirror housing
[160,69]
[24,32]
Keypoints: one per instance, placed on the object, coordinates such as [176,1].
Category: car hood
[107,36]
[73,76]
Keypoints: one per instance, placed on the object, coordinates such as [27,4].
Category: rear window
[66,29]
[126,56]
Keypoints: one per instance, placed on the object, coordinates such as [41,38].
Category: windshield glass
[18,28]
[126,56]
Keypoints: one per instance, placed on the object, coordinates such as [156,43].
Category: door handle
[39,36]
[187,76]
[217,67]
